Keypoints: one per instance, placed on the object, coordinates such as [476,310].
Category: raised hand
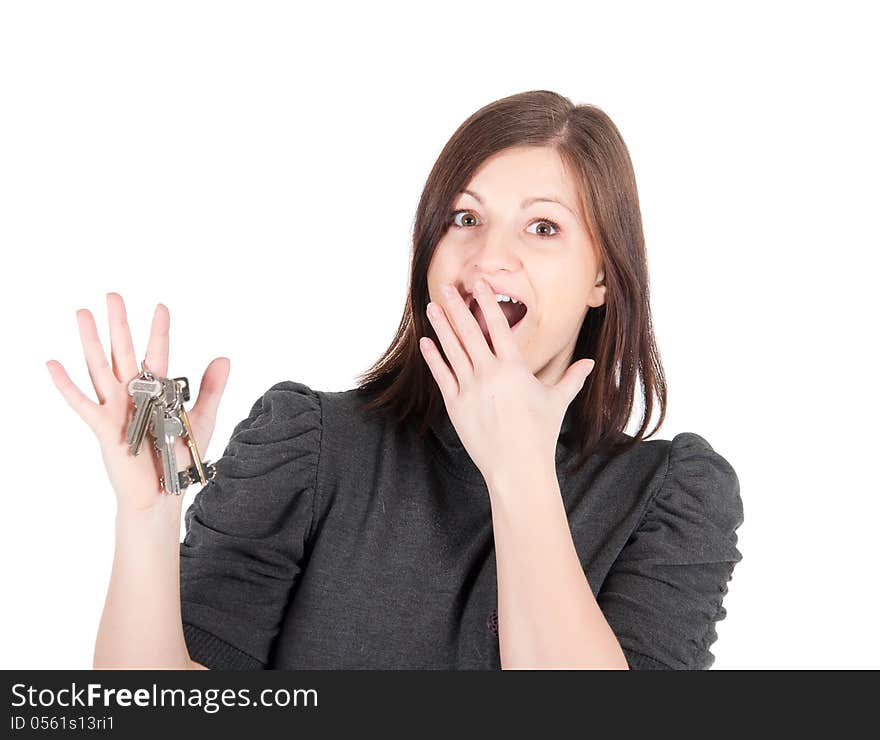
[507,419]
[135,479]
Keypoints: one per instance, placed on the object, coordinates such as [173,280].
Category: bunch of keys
[158,406]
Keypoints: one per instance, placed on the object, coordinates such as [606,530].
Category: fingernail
[432,311]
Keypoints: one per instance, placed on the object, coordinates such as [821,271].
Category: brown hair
[618,335]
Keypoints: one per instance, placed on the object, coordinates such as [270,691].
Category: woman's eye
[544,221]
[454,216]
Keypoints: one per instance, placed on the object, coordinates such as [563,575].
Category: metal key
[183,386]
[183,395]
[145,391]
[191,443]
[166,428]
[159,403]
[170,395]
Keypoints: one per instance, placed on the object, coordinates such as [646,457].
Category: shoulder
[699,497]
[686,461]
[346,420]
[286,398]
[684,477]
[697,471]
[284,423]
[268,470]
[333,422]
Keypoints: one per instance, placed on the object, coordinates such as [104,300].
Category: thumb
[573,380]
[203,414]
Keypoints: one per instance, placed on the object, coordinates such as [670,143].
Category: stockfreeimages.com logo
[210,700]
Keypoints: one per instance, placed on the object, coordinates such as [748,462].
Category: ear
[597,293]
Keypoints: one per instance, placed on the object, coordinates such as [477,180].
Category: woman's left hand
[507,419]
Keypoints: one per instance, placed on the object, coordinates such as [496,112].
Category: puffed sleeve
[663,594]
[246,531]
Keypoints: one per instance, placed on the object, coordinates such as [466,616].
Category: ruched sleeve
[246,531]
[663,594]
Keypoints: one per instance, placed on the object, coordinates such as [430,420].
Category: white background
[256,167]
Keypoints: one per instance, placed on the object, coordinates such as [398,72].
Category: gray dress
[333,540]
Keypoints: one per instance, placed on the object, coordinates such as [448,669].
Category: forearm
[547,614]
[141,625]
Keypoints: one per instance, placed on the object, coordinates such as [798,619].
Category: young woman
[475,502]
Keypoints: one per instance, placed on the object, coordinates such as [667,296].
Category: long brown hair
[618,335]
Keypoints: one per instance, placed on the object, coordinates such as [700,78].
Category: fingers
[455,353]
[204,411]
[499,330]
[442,374]
[86,409]
[124,362]
[467,328]
[571,382]
[157,346]
[99,370]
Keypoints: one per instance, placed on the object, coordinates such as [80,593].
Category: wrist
[164,513]
[526,475]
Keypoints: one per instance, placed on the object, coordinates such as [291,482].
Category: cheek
[560,313]
[564,292]
[444,267]
[571,282]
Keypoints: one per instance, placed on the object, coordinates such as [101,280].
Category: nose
[495,252]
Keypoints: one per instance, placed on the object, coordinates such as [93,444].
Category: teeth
[505,298]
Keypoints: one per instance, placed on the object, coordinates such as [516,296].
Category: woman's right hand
[135,479]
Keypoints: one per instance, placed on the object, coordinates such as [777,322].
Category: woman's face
[537,252]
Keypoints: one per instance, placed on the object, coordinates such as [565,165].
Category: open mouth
[513,312]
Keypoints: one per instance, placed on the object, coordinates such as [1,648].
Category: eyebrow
[527,202]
